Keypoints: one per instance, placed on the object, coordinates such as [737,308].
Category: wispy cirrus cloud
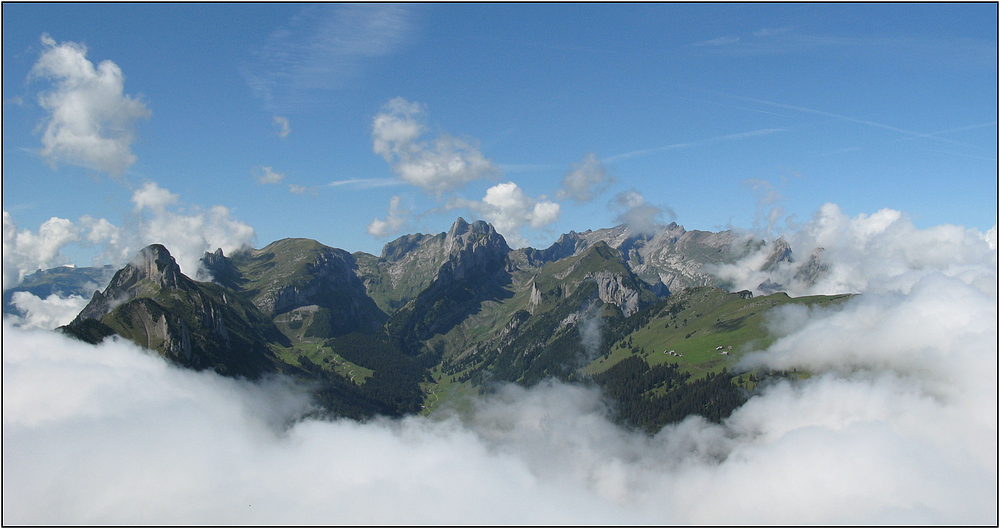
[322,48]
[909,133]
[948,52]
[365,183]
[695,143]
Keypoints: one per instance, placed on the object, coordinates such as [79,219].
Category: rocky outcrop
[474,250]
[812,269]
[611,288]
[152,269]
[781,253]
[669,259]
[534,297]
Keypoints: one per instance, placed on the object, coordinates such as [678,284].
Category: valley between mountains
[435,318]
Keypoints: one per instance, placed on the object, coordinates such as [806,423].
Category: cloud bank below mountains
[896,425]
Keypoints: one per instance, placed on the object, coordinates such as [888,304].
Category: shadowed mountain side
[292,274]
[198,325]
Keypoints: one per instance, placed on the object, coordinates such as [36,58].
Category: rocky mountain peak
[462,234]
[155,264]
[152,267]
[475,246]
[781,253]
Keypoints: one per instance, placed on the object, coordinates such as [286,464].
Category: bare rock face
[153,268]
[813,269]
[473,250]
[669,259]
[535,298]
[611,288]
[782,253]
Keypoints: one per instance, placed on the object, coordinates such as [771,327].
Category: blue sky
[353,124]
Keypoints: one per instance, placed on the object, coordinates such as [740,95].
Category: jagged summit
[462,234]
[154,263]
[153,268]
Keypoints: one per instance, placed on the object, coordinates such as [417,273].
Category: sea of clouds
[897,425]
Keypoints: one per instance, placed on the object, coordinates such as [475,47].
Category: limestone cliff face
[474,250]
[612,288]
[669,259]
[781,253]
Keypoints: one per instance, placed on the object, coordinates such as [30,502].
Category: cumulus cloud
[585,180]
[284,127]
[509,209]
[157,217]
[152,196]
[880,251]
[190,234]
[640,216]
[444,164]
[393,222]
[25,251]
[268,175]
[91,121]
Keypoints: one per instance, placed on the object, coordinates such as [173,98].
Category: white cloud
[47,313]
[25,252]
[639,215]
[509,209]
[296,189]
[157,218]
[268,175]
[880,252]
[91,121]
[153,197]
[393,222]
[439,166]
[585,180]
[284,127]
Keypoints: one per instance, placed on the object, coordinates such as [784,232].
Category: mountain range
[436,317]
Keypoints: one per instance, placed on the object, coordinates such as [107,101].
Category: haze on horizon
[868,130]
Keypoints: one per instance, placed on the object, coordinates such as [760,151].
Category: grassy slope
[696,322]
